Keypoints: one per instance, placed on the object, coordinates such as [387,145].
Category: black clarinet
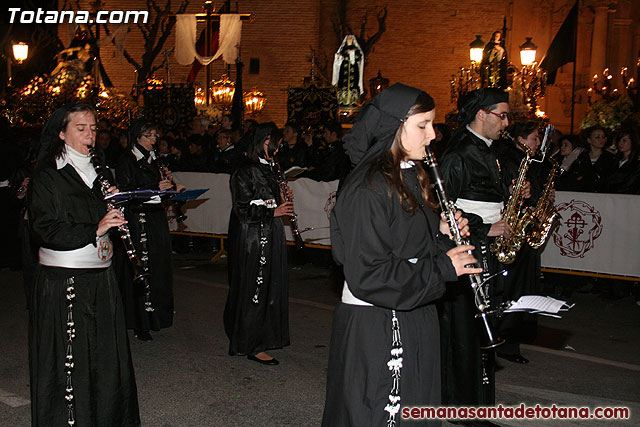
[449,210]
[293,219]
[139,273]
[163,167]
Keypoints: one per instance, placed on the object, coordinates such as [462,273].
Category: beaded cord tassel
[263,261]
[144,259]
[395,366]
[69,363]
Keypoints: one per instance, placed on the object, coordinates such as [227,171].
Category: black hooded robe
[394,261]
[471,172]
[64,214]
[133,174]
[256,315]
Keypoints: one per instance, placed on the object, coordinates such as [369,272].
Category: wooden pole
[207,37]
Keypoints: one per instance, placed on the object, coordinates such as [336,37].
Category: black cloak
[470,171]
[64,214]
[396,262]
[149,230]
[256,315]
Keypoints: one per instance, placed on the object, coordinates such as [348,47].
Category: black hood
[374,129]
[50,132]
[476,100]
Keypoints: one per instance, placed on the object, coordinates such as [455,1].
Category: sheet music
[539,304]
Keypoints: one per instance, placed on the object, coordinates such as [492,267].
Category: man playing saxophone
[473,181]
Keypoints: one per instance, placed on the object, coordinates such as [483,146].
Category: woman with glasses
[148,306]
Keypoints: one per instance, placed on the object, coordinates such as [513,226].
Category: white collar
[82,164]
[139,156]
[265,161]
[486,140]
[64,158]
[407,165]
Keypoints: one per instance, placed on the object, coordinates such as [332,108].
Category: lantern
[378,84]
[222,91]
[254,101]
[528,52]
[20,52]
[475,49]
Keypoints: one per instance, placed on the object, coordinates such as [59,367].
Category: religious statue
[78,58]
[494,63]
[348,68]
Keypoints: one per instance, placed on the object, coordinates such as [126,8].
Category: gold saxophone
[545,214]
[519,219]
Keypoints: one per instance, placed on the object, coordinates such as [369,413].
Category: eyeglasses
[151,135]
[502,116]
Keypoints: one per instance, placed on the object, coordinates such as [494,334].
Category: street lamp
[20,52]
[528,52]
[532,79]
[475,49]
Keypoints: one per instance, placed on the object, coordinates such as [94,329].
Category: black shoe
[272,362]
[143,335]
[515,358]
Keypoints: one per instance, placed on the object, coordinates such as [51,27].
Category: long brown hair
[388,164]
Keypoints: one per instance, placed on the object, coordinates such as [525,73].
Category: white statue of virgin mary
[348,68]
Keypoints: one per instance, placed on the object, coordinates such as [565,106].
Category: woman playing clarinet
[80,364]
[397,256]
[256,316]
[149,306]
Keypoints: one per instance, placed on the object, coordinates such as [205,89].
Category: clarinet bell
[180,216]
[490,341]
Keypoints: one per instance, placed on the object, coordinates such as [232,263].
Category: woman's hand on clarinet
[287,194]
[463,225]
[113,218]
[284,209]
[113,190]
[462,259]
[165,184]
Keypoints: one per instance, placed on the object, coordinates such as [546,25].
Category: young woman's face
[597,139]
[80,133]
[532,141]
[417,133]
[565,147]
[624,144]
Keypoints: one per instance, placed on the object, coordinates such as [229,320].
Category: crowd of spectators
[594,161]
[217,148]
